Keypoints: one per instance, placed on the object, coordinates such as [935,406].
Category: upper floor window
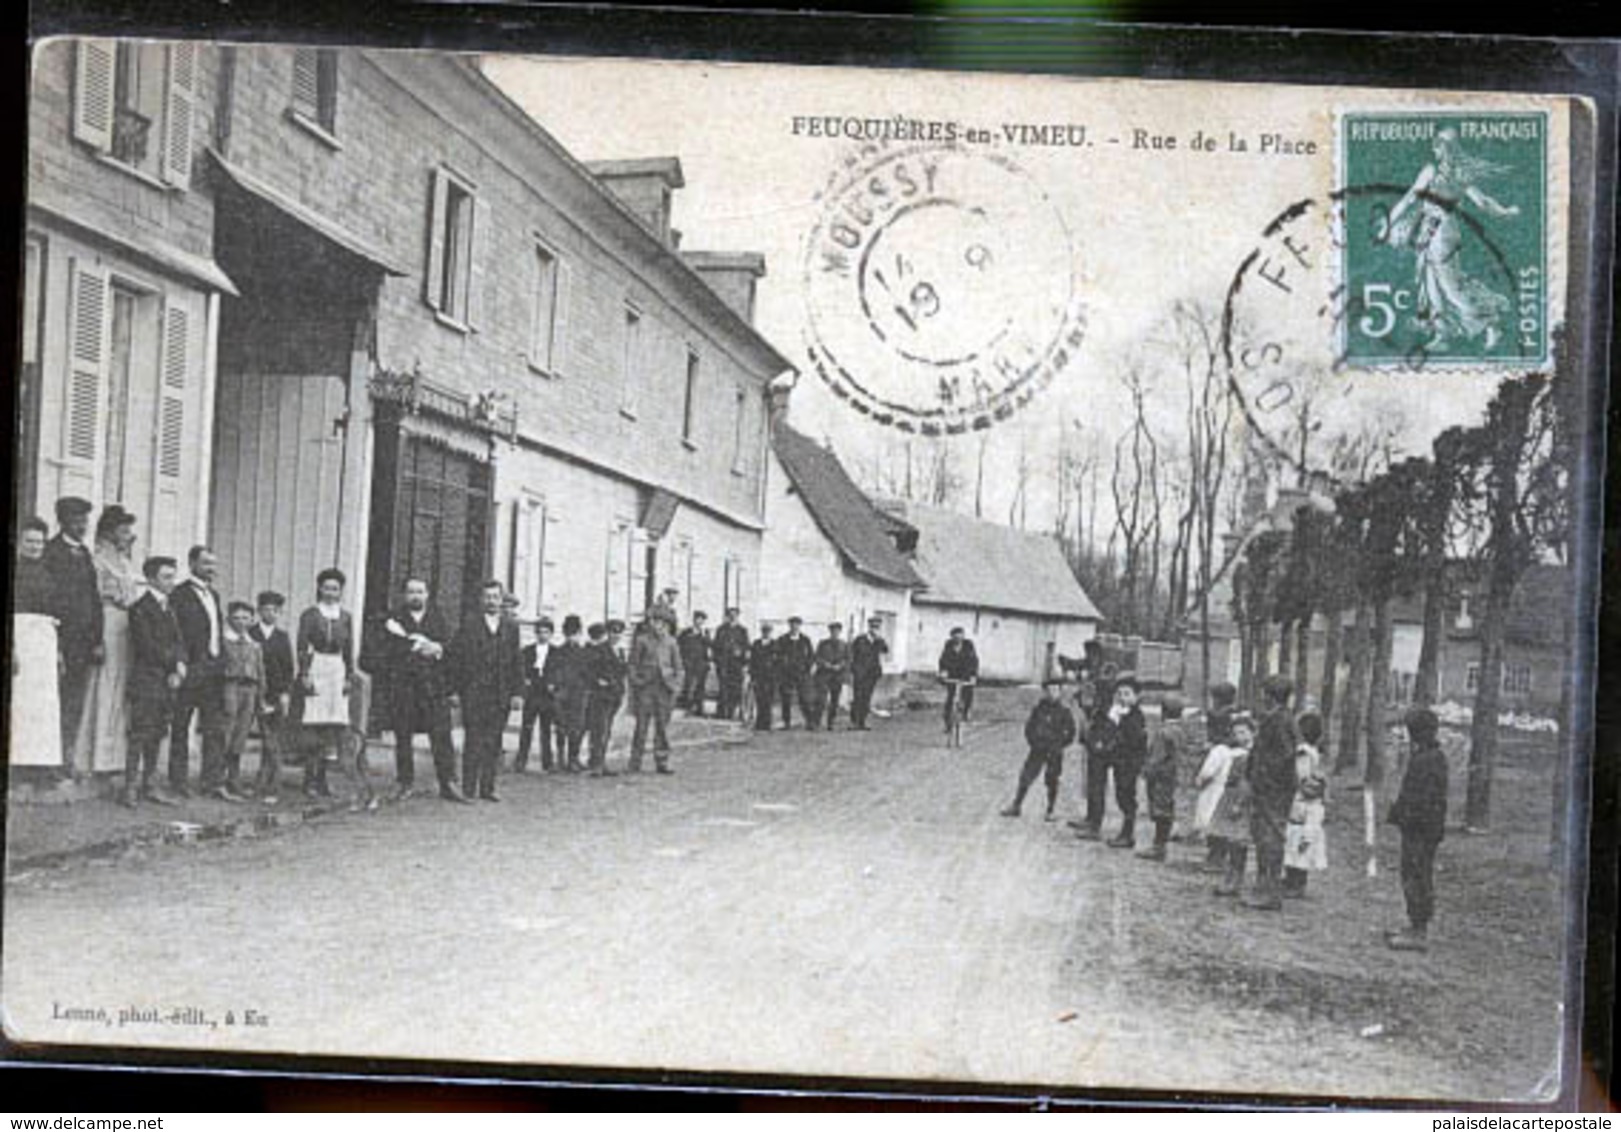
[136,104]
[630,361]
[453,280]
[548,334]
[315,89]
[689,399]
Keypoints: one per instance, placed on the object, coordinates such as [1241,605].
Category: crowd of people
[121,659]
[1257,785]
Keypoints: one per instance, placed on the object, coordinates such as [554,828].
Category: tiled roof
[969,562]
[841,509]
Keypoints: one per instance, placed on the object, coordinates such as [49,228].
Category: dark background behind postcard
[1045,47]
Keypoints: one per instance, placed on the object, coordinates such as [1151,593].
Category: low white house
[1011,591]
[829,555]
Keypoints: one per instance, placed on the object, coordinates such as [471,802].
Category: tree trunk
[1483,731]
[1246,663]
[1333,635]
[1356,690]
[1373,771]
[1286,643]
[1302,660]
[1427,683]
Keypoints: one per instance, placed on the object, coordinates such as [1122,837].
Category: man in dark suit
[568,679]
[959,668]
[157,669]
[731,649]
[867,654]
[539,705]
[487,668]
[201,619]
[417,637]
[281,670]
[606,672]
[795,656]
[763,677]
[77,598]
[832,666]
[693,644]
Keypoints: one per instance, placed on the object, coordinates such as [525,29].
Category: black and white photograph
[596,565]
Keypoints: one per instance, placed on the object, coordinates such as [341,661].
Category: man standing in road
[655,676]
[1271,771]
[202,623]
[731,649]
[487,666]
[605,670]
[763,677]
[539,705]
[795,657]
[157,669]
[417,638]
[567,678]
[77,599]
[866,666]
[832,665]
[694,646]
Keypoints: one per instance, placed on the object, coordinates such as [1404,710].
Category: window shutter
[478,223]
[522,560]
[176,370]
[637,597]
[548,557]
[561,357]
[433,279]
[178,113]
[87,382]
[307,81]
[94,62]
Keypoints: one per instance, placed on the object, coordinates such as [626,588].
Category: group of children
[1258,785]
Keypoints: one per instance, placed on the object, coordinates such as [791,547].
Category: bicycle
[959,710]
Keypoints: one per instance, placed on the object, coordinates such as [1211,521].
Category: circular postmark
[1299,314]
[940,288]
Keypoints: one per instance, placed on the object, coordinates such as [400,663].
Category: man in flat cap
[72,571]
[867,653]
[795,655]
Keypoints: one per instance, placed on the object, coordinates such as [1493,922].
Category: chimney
[644,185]
[732,276]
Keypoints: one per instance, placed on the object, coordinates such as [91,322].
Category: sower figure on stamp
[1116,743]
[419,693]
[694,645]
[655,676]
[832,665]
[157,670]
[795,656]
[1271,770]
[569,682]
[539,705]
[487,666]
[605,672]
[866,667]
[763,677]
[1048,731]
[77,601]
[281,670]
[731,649]
[1420,812]
[201,619]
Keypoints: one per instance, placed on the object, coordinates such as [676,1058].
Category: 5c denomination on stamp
[940,286]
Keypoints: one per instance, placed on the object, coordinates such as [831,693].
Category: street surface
[846,905]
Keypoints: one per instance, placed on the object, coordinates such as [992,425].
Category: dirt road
[844,906]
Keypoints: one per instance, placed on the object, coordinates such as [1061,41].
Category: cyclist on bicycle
[959,668]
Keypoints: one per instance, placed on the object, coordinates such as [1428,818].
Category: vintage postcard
[757,573]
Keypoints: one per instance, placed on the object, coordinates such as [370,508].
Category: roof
[969,562]
[841,509]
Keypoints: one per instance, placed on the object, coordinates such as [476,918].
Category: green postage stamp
[1444,249]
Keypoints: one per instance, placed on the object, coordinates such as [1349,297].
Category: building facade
[381,319]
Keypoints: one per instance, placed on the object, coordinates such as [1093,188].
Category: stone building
[376,316]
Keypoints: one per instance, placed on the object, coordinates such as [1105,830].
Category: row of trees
[1486,505]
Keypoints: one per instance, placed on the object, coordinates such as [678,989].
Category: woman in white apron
[106,716]
[326,674]
[36,721]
